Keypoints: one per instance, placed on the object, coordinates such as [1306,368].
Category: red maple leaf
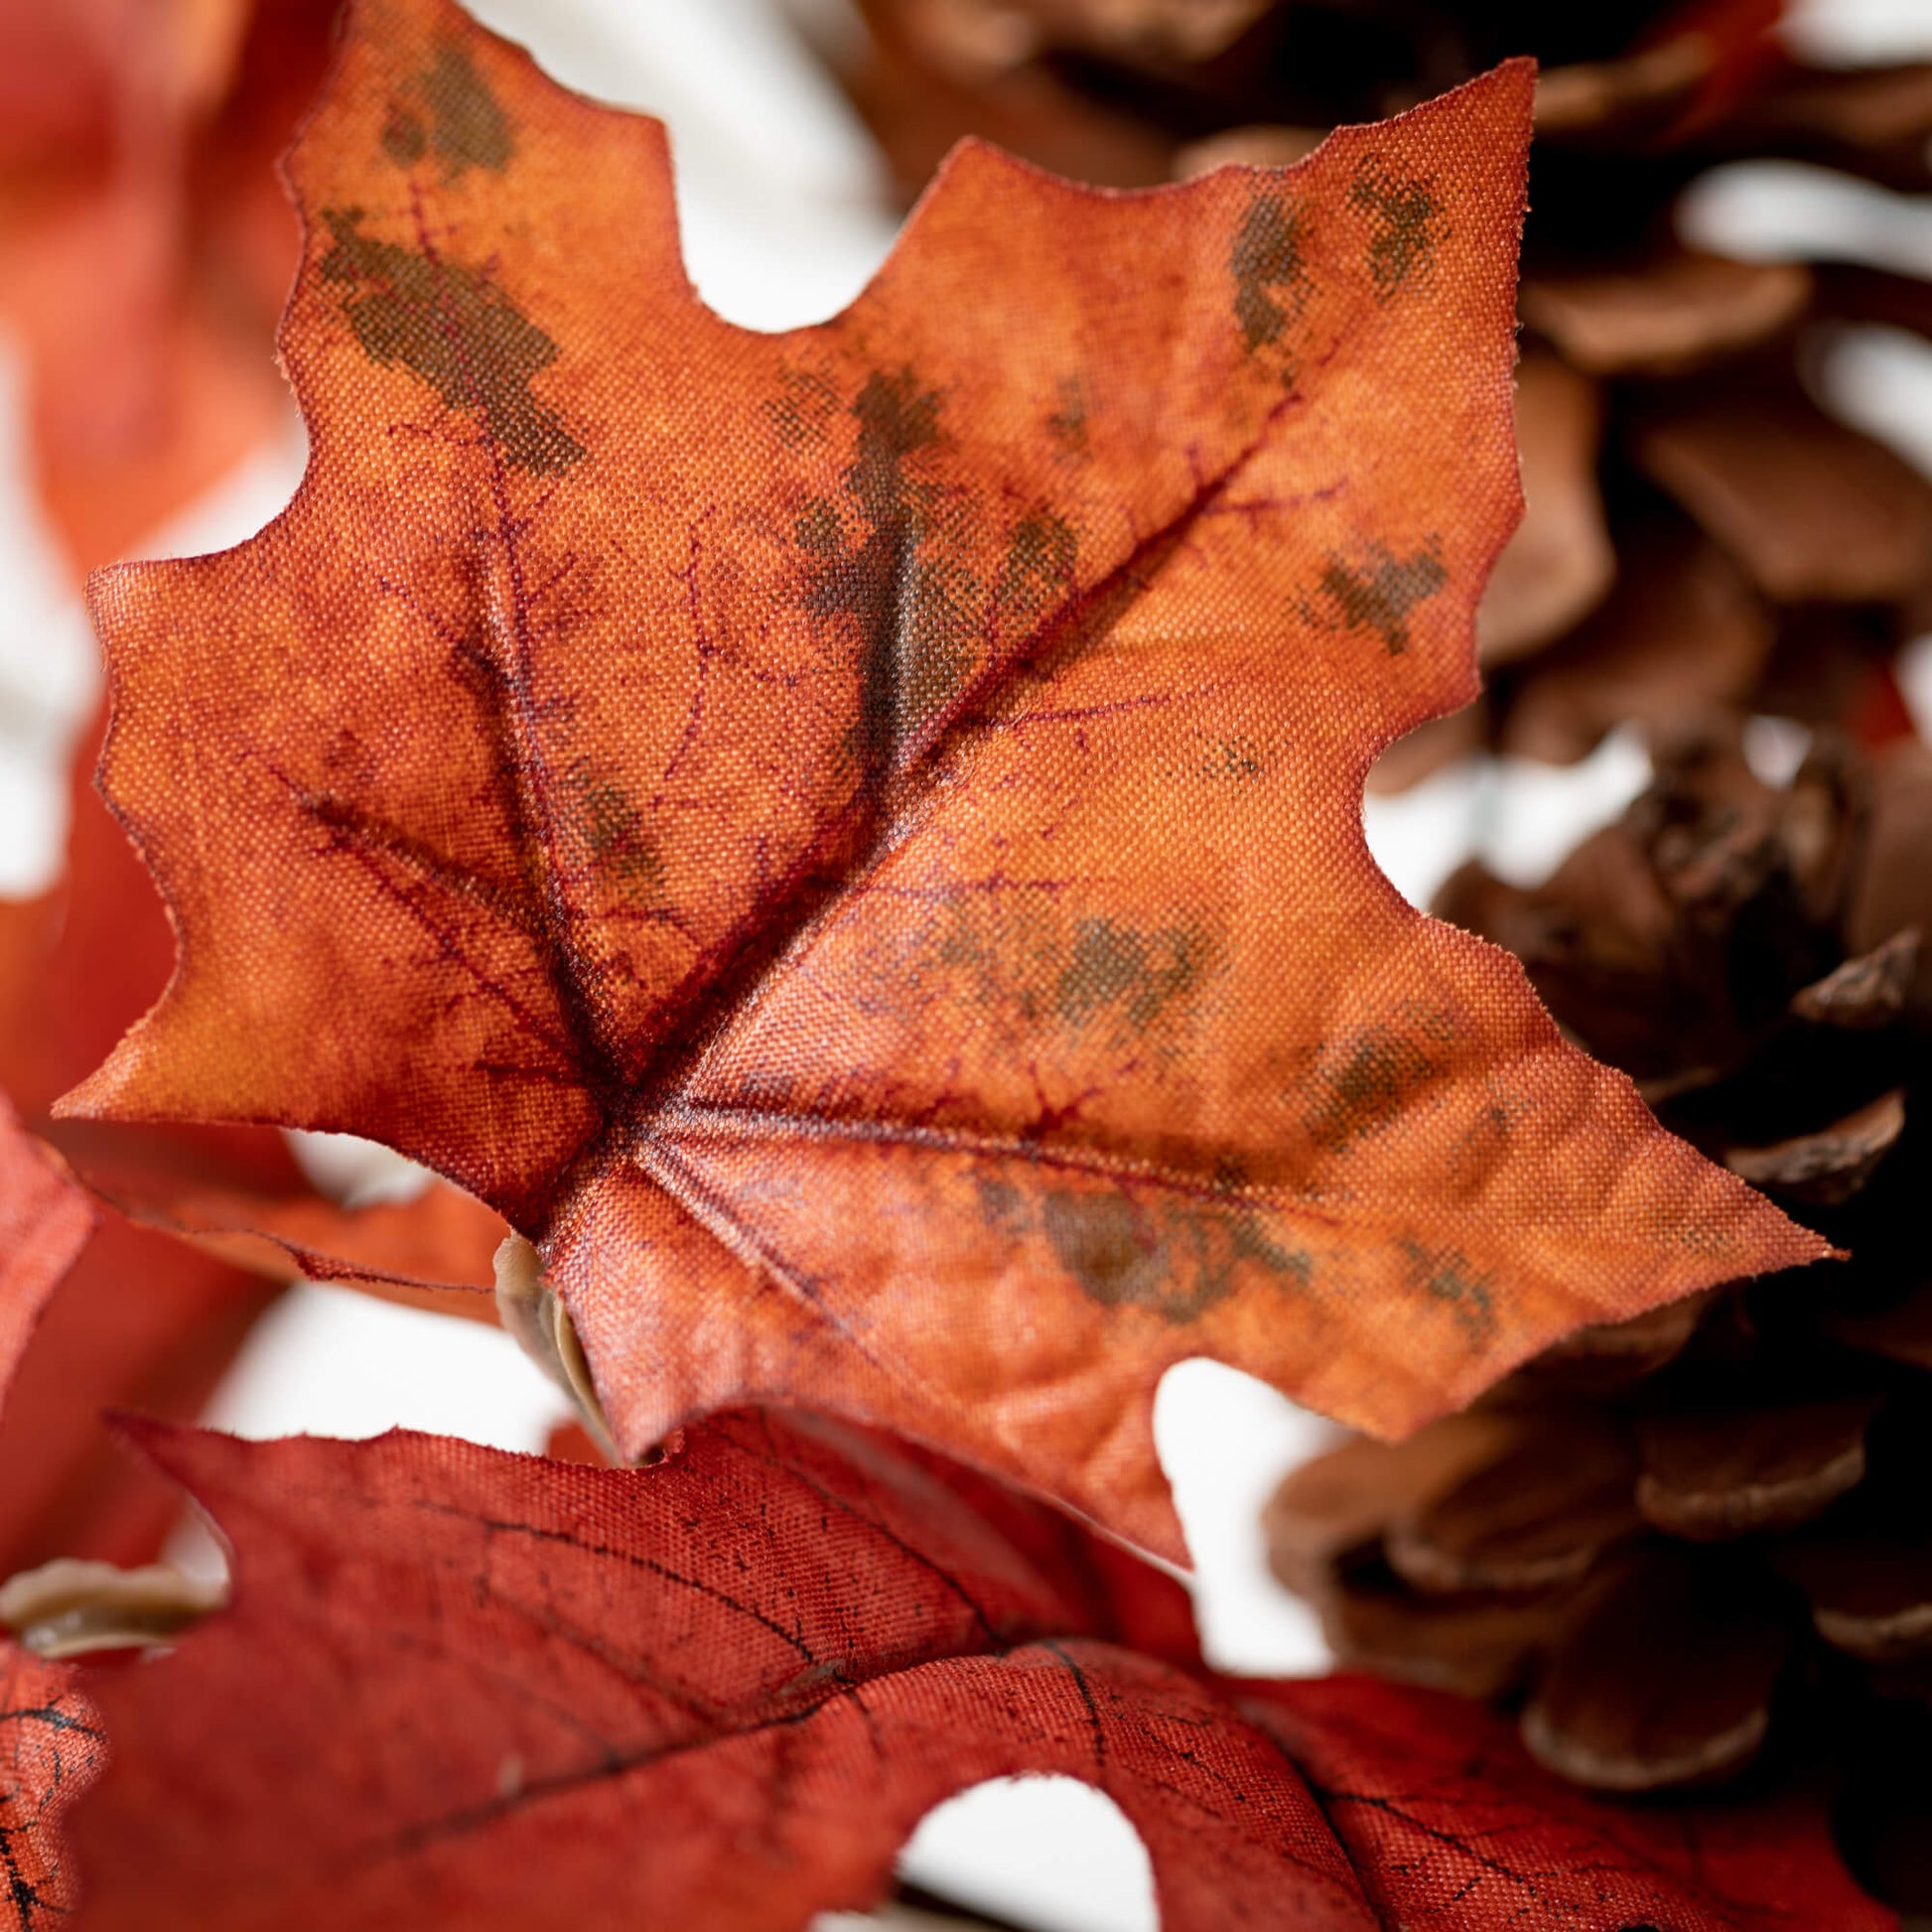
[44,1222]
[464,1688]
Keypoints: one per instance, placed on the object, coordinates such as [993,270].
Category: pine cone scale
[1667,1680]
[1733,1472]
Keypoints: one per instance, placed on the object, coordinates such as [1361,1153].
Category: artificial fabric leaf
[79,964]
[44,1222]
[1453,1828]
[143,247]
[93,1313]
[139,1320]
[50,1750]
[464,1688]
[852,838]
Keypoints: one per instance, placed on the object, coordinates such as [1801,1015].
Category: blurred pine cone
[1659,1533]
[1699,530]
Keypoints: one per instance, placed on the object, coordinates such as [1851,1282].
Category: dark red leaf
[464,1688]
[1453,1828]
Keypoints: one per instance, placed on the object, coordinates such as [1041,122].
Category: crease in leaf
[726,799]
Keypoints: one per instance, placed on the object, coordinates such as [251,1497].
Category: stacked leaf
[460,1687]
[1699,529]
[1659,1528]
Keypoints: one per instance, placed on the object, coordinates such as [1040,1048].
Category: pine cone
[1699,530]
[1663,1534]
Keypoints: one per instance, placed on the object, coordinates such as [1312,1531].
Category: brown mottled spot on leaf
[1405,226]
[468,128]
[1135,974]
[1446,1275]
[1240,757]
[1224,757]
[404,138]
[1366,1081]
[802,412]
[1108,1247]
[1177,1259]
[453,327]
[1271,279]
[1039,569]
[596,808]
[896,420]
[1003,1206]
[817,528]
[1378,592]
[911,604]
[1066,426]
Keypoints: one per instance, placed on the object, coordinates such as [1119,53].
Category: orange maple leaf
[852,837]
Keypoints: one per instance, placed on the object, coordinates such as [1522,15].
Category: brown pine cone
[1663,1534]
[1699,530]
